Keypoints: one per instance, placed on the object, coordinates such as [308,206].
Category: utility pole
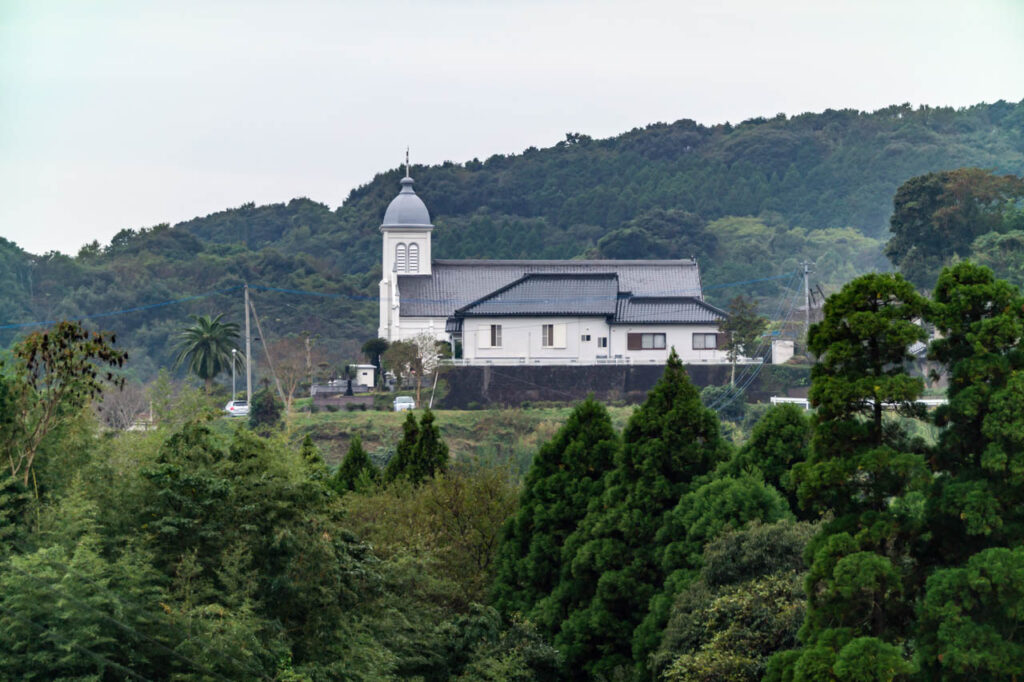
[309,361]
[248,352]
[807,297]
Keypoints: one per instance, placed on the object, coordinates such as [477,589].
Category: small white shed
[364,374]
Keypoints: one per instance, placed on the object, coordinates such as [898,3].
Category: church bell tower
[406,233]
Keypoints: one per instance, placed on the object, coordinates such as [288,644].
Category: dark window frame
[704,341]
[646,341]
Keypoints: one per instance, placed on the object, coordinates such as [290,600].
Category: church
[540,311]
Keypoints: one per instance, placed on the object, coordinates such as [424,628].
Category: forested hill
[749,200]
[837,168]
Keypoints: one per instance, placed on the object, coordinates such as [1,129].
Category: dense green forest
[840,545]
[749,200]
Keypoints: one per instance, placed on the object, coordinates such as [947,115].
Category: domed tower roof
[407,209]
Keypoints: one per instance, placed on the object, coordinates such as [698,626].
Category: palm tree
[206,346]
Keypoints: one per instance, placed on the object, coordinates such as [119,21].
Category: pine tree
[398,464]
[566,475]
[354,467]
[611,569]
[430,455]
[421,453]
[314,461]
[779,440]
[970,619]
[970,609]
[866,473]
[978,498]
[728,503]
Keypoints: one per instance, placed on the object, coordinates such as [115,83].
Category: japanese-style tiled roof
[455,284]
[665,310]
[549,294]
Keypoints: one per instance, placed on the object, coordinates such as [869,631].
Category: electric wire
[752,371]
[692,293]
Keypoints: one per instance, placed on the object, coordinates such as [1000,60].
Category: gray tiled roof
[654,310]
[550,294]
[456,283]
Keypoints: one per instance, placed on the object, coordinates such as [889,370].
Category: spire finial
[407,161]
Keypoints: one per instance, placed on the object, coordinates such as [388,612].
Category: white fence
[519,362]
[806,404]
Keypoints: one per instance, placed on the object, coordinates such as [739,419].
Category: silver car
[404,402]
[237,408]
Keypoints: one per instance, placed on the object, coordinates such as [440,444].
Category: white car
[237,408]
[404,402]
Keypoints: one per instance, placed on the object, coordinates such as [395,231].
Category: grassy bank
[505,435]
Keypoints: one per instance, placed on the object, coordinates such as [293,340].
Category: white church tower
[406,232]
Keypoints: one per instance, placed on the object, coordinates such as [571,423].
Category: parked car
[404,402]
[237,408]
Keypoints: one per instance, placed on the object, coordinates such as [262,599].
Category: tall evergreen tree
[779,440]
[421,453]
[355,466]
[314,461]
[398,464]
[978,496]
[864,472]
[610,567]
[430,455]
[970,610]
[566,475]
[970,619]
[727,503]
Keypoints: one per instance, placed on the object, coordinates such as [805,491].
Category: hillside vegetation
[640,545]
[750,201]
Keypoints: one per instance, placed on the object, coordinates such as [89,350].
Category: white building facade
[545,311]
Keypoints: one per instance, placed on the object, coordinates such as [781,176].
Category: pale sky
[127,114]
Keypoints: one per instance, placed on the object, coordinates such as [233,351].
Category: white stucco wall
[522,337]
[408,327]
[679,336]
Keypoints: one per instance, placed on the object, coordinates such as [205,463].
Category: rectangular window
[602,342]
[705,341]
[495,336]
[652,341]
[585,337]
[552,335]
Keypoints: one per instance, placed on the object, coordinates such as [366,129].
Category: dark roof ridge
[610,263]
[670,297]
[568,275]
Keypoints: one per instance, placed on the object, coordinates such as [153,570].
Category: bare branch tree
[121,407]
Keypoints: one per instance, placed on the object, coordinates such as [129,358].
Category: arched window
[399,257]
[414,258]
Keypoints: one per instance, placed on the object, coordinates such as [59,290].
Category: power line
[351,297]
[124,311]
[749,374]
